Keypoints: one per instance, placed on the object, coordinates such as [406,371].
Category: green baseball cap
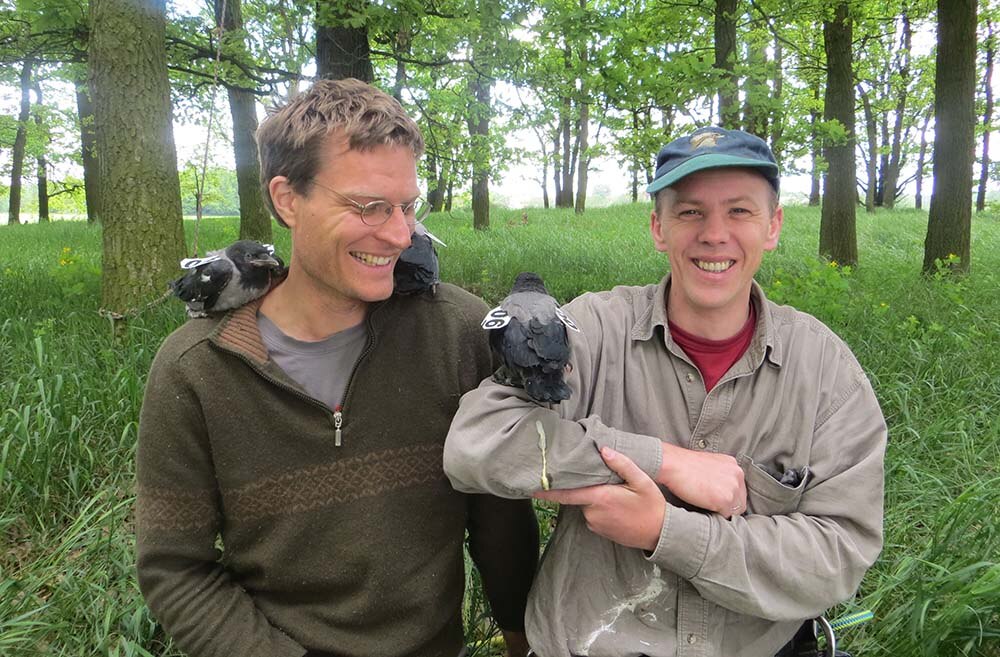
[712,148]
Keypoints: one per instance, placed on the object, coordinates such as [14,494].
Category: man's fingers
[623,466]
[576,496]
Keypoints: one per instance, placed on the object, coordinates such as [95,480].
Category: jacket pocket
[766,495]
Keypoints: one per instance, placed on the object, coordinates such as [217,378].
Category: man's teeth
[372,260]
[714,266]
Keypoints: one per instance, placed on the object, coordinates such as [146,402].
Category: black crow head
[247,255]
[529,282]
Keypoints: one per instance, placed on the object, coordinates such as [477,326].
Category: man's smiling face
[714,225]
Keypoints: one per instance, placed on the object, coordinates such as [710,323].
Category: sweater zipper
[338,412]
[338,419]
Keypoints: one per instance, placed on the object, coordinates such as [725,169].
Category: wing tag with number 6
[496,319]
[194,263]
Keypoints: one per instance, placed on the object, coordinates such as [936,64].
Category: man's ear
[774,229]
[284,199]
[656,229]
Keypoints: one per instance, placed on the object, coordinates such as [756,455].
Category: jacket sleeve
[798,551]
[504,443]
[178,517]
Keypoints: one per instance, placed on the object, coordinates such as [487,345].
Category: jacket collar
[651,312]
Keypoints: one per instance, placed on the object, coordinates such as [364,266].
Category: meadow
[71,387]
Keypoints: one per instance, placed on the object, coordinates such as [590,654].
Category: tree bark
[41,164]
[341,51]
[557,165]
[725,55]
[143,236]
[815,151]
[778,124]
[20,144]
[479,131]
[582,140]
[871,161]
[756,98]
[984,172]
[88,153]
[949,223]
[896,149]
[566,198]
[921,160]
[255,220]
[837,233]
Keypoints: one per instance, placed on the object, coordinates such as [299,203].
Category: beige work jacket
[797,399]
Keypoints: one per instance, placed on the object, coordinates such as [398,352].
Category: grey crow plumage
[227,278]
[417,268]
[528,336]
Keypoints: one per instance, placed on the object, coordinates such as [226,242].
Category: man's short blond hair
[291,138]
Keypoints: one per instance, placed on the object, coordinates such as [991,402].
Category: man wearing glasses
[304,431]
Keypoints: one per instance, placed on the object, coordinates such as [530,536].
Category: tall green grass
[70,390]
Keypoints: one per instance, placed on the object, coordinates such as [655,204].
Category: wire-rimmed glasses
[376,213]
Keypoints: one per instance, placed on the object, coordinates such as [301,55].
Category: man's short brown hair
[291,138]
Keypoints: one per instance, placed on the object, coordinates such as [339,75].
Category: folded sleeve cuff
[645,451]
[683,541]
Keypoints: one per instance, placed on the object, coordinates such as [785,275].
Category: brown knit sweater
[351,550]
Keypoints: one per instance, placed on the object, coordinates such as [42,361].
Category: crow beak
[267,261]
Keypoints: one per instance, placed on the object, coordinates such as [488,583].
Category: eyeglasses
[377,213]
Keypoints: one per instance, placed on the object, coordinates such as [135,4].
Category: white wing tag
[194,263]
[269,247]
[496,319]
[567,320]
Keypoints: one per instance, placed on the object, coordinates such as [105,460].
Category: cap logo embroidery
[705,140]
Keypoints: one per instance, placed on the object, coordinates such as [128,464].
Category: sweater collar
[237,331]
[651,312]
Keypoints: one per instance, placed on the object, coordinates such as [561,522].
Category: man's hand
[516,642]
[630,514]
[710,481]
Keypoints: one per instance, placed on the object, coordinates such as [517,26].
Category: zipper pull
[338,420]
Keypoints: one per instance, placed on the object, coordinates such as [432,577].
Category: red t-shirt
[713,358]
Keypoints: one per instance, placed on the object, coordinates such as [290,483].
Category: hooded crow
[528,336]
[417,268]
[227,278]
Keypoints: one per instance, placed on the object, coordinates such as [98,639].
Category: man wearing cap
[720,462]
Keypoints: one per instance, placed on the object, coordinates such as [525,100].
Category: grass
[70,393]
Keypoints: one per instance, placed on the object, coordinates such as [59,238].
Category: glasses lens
[376,213]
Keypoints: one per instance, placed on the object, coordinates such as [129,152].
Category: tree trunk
[20,143]
[435,192]
[566,198]
[725,56]
[756,97]
[255,220]
[341,51]
[143,236]
[557,167]
[778,124]
[41,173]
[984,172]
[815,150]
[88,153]
[582,136]
[949,223]
[479,131]
[837,236]
[896,155]
[921,159]
[871,162]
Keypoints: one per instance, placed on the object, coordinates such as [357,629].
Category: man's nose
[714,229]
[397,229]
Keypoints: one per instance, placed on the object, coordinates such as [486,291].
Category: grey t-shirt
[323,367]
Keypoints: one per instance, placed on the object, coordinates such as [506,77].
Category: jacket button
[692,639]
[690,377]
[702,444]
